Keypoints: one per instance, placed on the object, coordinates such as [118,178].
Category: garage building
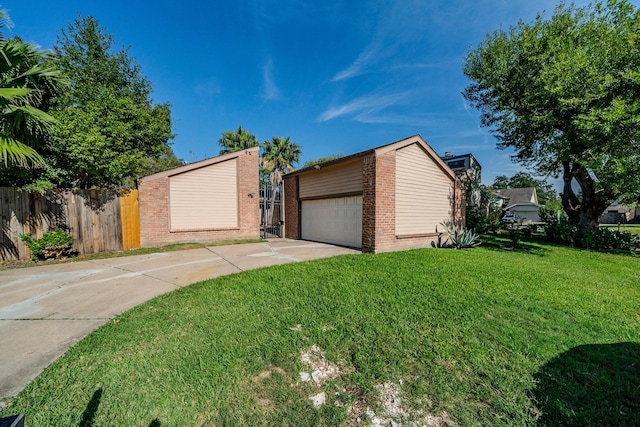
[392,197]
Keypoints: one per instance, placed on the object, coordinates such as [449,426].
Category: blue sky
[335,76]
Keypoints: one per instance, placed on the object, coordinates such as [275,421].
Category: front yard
[547,335]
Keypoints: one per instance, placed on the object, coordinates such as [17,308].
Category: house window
[456,164]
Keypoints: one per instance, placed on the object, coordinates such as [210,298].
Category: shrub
[599,238]
[457,238]
[515,231]
[53,244]
[481,222]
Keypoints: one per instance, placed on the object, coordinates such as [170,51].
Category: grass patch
[629,228]
[141,251]
[544,335]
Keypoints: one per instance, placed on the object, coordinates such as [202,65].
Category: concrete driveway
[46,309]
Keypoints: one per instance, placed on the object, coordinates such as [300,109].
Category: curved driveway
[46,309]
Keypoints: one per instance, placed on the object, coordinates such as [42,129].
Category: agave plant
[460,238]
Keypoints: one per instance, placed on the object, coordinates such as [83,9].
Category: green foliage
[278,157]
[482,222]
[515,230]
[599,238]
[236,141]
[458,238]
[109,131]
[53,244]
[563,93]
[321,160]
[27,80]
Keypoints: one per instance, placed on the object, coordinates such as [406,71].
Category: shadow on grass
[90,411]
[591,385]
[503,244]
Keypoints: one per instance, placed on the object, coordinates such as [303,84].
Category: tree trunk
[276,179]
[585,212]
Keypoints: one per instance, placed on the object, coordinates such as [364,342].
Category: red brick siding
[385,191]
[459,213]
[154,209]
[291,219]
[369,203]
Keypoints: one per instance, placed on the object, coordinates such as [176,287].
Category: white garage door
[337,221]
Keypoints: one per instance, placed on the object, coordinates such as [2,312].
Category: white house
[522,202]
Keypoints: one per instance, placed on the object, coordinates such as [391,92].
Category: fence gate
[270,210]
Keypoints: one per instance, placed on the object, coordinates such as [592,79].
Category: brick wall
[379,219]
[154,208]
[369,203]
[459,213]
[291,219]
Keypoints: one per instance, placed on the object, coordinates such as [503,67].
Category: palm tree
[278,157]
[235,141]
[27,80]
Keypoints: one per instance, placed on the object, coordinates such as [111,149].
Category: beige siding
[424,194]
[205,198]
[341,179]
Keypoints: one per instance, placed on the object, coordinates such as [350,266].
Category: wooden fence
[98,220]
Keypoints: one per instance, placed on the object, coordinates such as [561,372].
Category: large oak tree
[564,92]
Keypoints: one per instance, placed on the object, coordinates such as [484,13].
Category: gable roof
[518,196]
[199,164]
[415,139]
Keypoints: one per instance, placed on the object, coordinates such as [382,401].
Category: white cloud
[270,91]
[362,107]
[365,59]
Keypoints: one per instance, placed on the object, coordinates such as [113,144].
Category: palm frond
[12,93]
[15,152]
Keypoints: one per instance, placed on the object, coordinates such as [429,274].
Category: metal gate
[271,210]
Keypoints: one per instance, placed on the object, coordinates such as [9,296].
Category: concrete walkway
[46,309]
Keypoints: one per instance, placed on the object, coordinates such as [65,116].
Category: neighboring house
[620,214]
[469,171]
[387,198]
[522,202]
[213,199]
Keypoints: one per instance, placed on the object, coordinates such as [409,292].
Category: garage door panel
[337,221]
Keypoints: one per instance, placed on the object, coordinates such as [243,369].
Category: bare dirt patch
[392,407]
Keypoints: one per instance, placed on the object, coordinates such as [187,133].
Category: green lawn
[547,335]
[631,228]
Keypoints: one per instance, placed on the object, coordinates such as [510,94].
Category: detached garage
[388,198]
[209,200]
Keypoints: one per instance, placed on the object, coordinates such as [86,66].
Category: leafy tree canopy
[321,160]
[564,92]
[109,130]
[235,141]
